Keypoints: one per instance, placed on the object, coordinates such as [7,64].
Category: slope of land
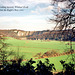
[39,35]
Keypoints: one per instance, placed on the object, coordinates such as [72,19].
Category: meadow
[29,48]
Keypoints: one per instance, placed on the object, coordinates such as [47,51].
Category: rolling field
[29,48]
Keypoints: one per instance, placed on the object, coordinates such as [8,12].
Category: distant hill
[38,35]
[20,34]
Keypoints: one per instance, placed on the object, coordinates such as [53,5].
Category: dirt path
[56,55]
[45,57]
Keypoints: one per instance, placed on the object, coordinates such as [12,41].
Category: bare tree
[65,18]
[65,15]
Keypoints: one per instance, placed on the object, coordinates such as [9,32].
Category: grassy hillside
[29,48]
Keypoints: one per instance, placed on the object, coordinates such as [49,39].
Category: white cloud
[35,12]
[23,2]
[27,23]
[45,10]
[63,4]
[30,22]
[39,1]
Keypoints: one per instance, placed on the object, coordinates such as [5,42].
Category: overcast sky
[32,15]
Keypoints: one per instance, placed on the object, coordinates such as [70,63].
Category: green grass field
[29,48]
